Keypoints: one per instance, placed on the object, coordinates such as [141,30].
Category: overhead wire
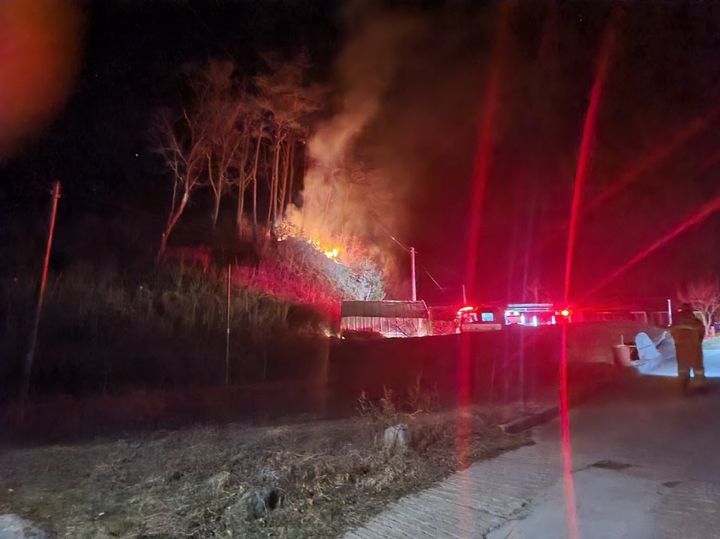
[423,267]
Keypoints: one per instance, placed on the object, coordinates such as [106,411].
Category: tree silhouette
[704,296]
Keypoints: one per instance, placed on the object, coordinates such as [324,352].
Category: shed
[385,318]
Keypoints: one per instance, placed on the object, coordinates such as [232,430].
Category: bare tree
[704,296]
[223,112]
[229,136]
[253,134]
[243,177]
[181,142]
[289,102]
[261,134]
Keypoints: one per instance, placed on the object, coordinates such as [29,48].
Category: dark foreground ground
[289,479]
[302,480]
[645,465]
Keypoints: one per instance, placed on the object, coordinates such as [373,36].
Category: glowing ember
[287,230]
[350,268]
[332,254]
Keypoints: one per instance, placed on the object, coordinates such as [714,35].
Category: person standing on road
[688,332]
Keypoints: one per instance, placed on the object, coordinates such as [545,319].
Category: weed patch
[304,480]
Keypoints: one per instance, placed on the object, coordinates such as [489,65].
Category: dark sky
[663,75]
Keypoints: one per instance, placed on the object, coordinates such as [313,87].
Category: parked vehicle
[536,314]
[473,318]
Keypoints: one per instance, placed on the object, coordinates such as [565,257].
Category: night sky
[657,125]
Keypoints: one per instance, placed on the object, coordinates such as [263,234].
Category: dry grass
[97,323]
[328,476]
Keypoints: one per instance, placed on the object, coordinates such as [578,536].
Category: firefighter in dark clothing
[688,333]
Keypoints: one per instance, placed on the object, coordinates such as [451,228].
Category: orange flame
[332,253]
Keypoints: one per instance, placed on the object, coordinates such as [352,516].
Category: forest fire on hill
[287,230]
[332,253]
[348,269]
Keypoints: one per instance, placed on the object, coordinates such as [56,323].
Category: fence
[324,378]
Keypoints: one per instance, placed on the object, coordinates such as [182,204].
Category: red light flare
[481,169]
[583,166]
[635,173]
[703,213]
[631,176]
[710,161]
[565,441]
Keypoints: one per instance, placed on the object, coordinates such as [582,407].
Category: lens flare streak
[566,442]
[583,166]
[634,174]
[658,155]
[481,170]
[703,213]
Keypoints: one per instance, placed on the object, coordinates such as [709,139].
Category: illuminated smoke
[342,198]
[39,52]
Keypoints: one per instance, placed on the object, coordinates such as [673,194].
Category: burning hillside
[352,192]
[346,272]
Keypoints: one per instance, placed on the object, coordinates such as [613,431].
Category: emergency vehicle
[536,314]
[474,318]
[488,318]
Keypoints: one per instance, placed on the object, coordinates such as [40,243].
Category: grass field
[315,479]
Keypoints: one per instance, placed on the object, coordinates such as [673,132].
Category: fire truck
[474,318]
[536,314]
[470,318]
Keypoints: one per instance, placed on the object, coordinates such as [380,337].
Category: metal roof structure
[384,309]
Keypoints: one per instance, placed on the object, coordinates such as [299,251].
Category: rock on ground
[251,505]
[396,438]
[14,527]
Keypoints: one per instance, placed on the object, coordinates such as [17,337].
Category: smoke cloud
[409,84]
[397,156]
[345,189]
[39,53]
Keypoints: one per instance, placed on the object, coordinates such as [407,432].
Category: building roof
[385,309]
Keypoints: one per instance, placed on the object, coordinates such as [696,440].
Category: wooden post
[412,271]
[227,329]
[27,372]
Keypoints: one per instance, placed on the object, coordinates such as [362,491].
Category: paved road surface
[667,366]
[646,465]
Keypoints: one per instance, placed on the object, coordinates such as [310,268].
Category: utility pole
[464,295]
[27,373]
[227,327]
[669,303]
[412,269]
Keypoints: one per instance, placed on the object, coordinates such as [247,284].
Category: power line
[389,233]
[433,280]
[407,249]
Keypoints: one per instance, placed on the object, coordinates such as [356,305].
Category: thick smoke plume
[39,50]
[397,156]
[409,83]
[345,193]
